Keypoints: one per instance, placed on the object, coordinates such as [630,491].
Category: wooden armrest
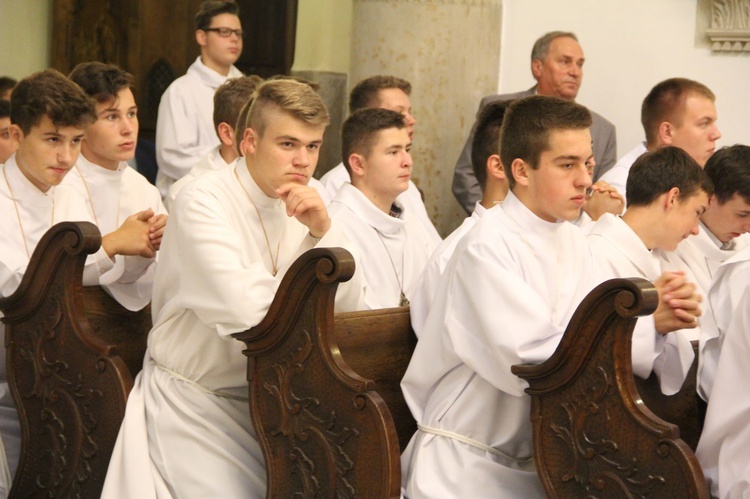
[593,436]
[324,429]
[69,386]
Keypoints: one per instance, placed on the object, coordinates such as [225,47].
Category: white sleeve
[178,145]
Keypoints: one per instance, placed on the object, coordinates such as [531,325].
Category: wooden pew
[72,354]
[324,392]
[326,403]
[593,435]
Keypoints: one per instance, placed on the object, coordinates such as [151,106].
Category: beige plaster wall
[26,31]
[323,36]
[449,51]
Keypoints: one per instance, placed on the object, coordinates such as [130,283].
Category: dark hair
[4,108]
[729,170]
[487,138]
[664,103]
[655,173]
[528,124]
[49,93]
[365,93]
[231,96]
[6,83]
[212,8]
[101,81]
[359,131]
[541,46]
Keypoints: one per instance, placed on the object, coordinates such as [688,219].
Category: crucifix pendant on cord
[404,300]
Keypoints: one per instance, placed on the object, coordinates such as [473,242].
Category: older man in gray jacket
[557,65]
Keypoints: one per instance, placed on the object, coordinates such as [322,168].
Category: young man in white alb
[676,112]
[48,117]
[229,100]
[393,245]
[722,237]
[385,92]
[232,235]
[489,172]
[724,446]
[506,298]
[113,190]
[667,194]
[184,126]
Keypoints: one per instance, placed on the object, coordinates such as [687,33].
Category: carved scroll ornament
[730,26]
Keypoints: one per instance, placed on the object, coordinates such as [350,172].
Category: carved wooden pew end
[324,392]
[68,382]
[593,435]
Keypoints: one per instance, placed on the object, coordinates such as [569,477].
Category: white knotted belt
[200,387]
[474,443]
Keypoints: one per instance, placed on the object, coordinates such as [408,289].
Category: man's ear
[536,68]
[226,133]
[672,197]
[666,133]
[16,134]
[495,167]
[520,171]
[357,164]
[249,142]
[201,38]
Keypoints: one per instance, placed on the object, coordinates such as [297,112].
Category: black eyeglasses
[225,32]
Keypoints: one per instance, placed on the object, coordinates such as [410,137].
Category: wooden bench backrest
[319,385]
[69,384]
[593,436]
[684,409]
[324,391]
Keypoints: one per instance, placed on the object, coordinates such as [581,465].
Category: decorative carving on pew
[593,436]
[598,457]
[69,386]
[316,442]
[59,397]
[304,421]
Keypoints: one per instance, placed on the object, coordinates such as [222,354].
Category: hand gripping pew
[593,434]
[326,404]
[72,354]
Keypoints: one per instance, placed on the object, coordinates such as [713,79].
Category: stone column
[450,52]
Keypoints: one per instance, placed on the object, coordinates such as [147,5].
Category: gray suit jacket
[465,185]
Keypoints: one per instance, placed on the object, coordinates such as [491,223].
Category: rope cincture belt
[201,387]
[473,443]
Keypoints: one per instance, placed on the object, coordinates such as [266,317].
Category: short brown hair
[292,97]
[365,93]
[212,8]
[49,93]
[657,172]
[528,124]
[230,98]
[101,81]
[665,102]
[487,138]
[360,130]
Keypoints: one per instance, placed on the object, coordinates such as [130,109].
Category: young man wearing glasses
[184,125]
